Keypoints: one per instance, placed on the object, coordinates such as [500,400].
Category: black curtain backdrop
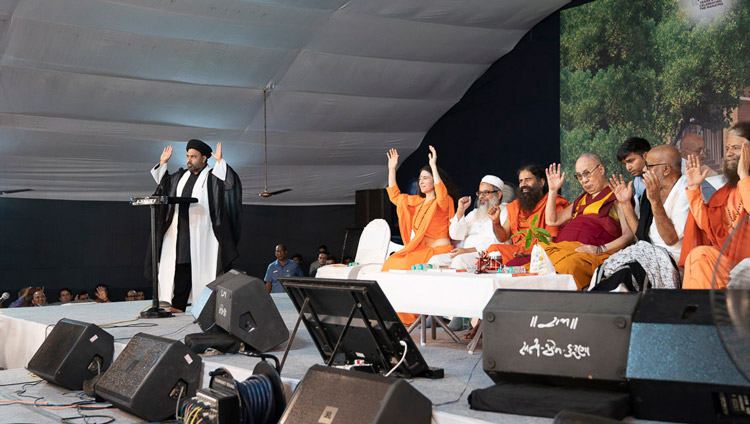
[78,245]
[509,116]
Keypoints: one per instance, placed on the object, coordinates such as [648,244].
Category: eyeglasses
[653,165]
[585,174]
[485,192]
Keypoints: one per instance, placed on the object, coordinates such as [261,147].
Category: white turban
[495,181]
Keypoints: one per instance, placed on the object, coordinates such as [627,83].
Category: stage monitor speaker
[149,376]
[246,310]
[73,352]
[335,396]
[204,308]
[678,368]
[558,337]
[372,204]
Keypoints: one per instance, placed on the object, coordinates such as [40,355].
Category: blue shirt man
[281,267]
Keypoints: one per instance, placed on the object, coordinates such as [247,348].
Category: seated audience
[423,219]
[319,263]
[593,229]
[473,232]
[710,224]
[102,293]
[39,298]
[664,209]
[281,267]
[131,296]
[141,295]
[65,295]
[632,154]
[331,260]
[24,297]
[531,200]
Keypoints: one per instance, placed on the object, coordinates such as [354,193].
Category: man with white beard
[474,231]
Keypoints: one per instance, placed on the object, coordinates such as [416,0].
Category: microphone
[4,297]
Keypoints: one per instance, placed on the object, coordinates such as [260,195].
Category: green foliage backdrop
[643,68]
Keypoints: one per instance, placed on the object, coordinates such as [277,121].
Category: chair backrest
[373,243]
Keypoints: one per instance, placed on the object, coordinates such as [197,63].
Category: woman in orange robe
[423,219]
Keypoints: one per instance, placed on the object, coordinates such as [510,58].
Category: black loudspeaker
[372,204]
[149,376]
[678,368]
[246,310]
[73,352]
[335,396]
[204,308]
[558,337]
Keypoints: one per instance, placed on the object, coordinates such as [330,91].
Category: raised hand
[652,187]
[464,202]
[432,157]
[494,213]
[165,155]
[693,175]
[392,158]
[101,293]
[743,166]
[217,154]
[623,192]
[555,179]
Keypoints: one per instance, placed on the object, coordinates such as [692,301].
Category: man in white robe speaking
[197,241]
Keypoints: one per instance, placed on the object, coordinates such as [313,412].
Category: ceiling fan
[20,190]
[265,192]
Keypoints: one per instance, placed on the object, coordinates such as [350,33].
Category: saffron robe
[707,230]
[519,221]
[594,222]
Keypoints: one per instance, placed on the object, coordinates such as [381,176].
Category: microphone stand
[155,201]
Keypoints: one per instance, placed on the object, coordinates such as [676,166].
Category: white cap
[495,181]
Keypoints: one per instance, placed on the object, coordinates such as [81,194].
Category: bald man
[591,227]
[664,210]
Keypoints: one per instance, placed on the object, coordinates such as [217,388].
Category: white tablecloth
[456,294]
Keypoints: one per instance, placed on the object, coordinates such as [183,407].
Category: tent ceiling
[91,91]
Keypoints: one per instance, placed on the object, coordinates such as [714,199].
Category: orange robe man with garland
[592,229]
[423,219]
[710,225]
[531,200]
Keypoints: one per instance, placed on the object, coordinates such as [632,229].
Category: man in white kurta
[190,249]
[473,232]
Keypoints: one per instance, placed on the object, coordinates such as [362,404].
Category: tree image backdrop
[651,69]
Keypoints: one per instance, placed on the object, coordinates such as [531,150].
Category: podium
[154,202]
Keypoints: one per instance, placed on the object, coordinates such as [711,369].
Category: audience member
[102,293]
[281,267]
[322,256]
[25,296]
[632,154]
[593,229]
[473,232]
[710,224]
[664,209]
[531,201]
[39,298]
[82,295]
[141,295]
[131,295]
[331,260]
[347,260]
[693,144]
[65,295]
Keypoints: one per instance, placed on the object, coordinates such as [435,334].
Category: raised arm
[432,160]
[623,194]
[694,177]
[664,225]
[159,170]
[555,180]
[392,155]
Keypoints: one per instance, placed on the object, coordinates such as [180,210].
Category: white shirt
[471,232]
[677,207]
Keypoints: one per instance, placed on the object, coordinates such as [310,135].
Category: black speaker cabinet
[246,310]
[678,368]
[149,376]
[335,396]
[372,204]
[204,308]
[558,337]
[73,352]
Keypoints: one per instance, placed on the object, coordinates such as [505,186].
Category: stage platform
[22,330]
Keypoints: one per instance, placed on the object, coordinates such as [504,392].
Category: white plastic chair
[372,250]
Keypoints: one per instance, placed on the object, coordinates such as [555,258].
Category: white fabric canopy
[91,91]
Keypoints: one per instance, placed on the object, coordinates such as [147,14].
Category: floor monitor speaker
[73,352]
[149,376]
[246,310]
[335,396]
